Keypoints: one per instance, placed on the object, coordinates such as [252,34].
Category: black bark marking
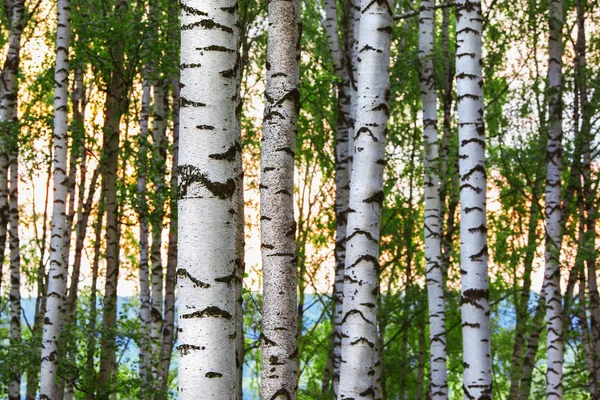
[183,273]
[376,198]
[228,155]
[207,24]
[212,311]
[355,311]
[183,102]
[281,392]
[481,253]
[189,174]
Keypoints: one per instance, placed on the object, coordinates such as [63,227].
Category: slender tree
[359,329]
[9,86]
[342,175]
[142,180]
[432,222]
[15,263]
[477,360]
[279,347]
[114,109]
[57,276]
[554,323]
[207,152]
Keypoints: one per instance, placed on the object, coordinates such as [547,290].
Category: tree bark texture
[114,109]
[206,206]
[432,222]
[477,357]
[554,322]
[57,275]
[359,323]
[279,347]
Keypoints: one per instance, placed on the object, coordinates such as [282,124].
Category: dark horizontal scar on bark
[212,311]
[183,273]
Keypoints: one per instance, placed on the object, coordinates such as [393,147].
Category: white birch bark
[432,222]
[145,304]
[554,322]
[14,387]
[15,10]
[342,177]
[477,360]
[206,173]
[57,275]
[159,155]
[359,329]
[355,16]
[279,347]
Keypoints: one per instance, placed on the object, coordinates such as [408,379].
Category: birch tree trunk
[279,347]
[168,330]
[477,358]
[352,53]
[432,222]
[145,304]
[554,322]
[159,155]
[14,391]
[15,10]
[342,176]
[359,329]
[57,275]
[588,193]
[206,173]
[114,109]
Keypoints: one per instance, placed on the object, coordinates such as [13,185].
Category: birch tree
[114,109]
[359,329]
[145,304]
[342,174]
[554,323]
[477,360]
[279,347]
[15,13]
[206,173]
[57,275]
[15,262]
[432,222]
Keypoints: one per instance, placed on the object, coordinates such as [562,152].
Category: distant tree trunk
[145,304]
[446,178]
[432,221]
[352,53]
[588,193]
[279,347]
[9,87]
[57,276]
[531,349]
[14,391]
[554,337]
[342,176]
[114,109]
[522,306]
[91,347]
[159,197]
[240,218]
[168,330]
[359,329]
[477,357]
[33,369]
[206,207]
